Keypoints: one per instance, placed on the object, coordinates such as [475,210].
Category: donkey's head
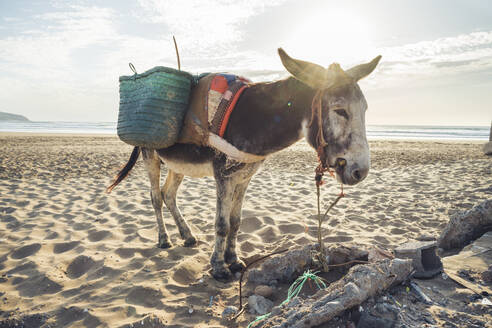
[337,125]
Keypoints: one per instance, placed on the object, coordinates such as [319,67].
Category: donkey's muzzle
[350,174]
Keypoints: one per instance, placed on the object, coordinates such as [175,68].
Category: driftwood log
[467,226]
[360,283]
[286,267]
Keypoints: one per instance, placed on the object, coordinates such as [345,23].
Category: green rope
[295,289]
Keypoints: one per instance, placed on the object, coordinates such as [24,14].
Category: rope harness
[317,112]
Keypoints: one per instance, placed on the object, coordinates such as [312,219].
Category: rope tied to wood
[294,291]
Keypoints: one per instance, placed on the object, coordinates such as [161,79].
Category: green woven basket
[152,107]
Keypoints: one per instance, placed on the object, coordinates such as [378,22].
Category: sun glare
[331,36]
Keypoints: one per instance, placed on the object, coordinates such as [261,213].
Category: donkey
[324,105]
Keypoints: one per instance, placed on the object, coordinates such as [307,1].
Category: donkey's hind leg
[169,191]
[225,192]
[153,166]
[230,255]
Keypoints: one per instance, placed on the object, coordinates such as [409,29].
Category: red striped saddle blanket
[224,92]
[212,102]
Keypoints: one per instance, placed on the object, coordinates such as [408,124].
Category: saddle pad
[225,90]
[212,101]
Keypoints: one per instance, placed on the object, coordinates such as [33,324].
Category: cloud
[456,63]
[210,27]
[46,52]
[11,19]
[466,52]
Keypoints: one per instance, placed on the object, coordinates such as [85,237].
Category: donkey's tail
[125,170]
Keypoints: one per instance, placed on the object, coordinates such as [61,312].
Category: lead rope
[321,251]
[316,110]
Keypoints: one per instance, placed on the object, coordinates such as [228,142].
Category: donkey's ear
[361,71]
[313,75]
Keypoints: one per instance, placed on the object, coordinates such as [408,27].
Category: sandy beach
[73,256]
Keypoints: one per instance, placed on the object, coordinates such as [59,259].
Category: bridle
[317,111]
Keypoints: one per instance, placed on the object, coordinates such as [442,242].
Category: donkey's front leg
[225,193]
[230,255]
[153,165]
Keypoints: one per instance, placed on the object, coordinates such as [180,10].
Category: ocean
[419,132]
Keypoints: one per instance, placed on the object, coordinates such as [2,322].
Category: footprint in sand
[106,272]
[144,296]
[381,239]
[66,316]
[38,285]
[269,234]
[22,203]
[129,238]
[294,228]
[125,253]
[13,223]
[25,251]
[52,235]
[95,235]
[26,267]
[247,247]
[129,228]
[64,247]
[187,272]
[82,226]
[135,264]
[80,266]
[250,224]
[7,210]
[398,231]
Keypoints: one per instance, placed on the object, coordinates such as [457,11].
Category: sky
[60,60]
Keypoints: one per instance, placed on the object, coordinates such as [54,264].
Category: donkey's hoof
[230,257]
[222,274]
[164,244]
[237,266]
[190,241]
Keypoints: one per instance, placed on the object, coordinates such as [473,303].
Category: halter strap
[316,111]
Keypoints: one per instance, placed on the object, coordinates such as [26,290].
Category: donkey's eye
[342,112]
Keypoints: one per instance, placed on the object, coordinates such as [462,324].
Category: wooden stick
[477,289]
[177,53]
[241,308]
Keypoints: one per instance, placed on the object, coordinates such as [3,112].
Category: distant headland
[8,117]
